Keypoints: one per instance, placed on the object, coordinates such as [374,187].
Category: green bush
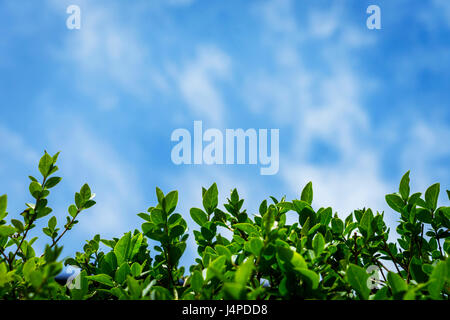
[262,257]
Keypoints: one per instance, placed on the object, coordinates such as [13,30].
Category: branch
[390,254]
[30,223]
[67,228]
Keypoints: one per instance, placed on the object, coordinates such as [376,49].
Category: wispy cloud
[109,57]
[198,80]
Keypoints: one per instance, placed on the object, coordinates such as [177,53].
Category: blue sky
[356,108]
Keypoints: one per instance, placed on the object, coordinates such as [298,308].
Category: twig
[30,223]
[65,229]
[390,254]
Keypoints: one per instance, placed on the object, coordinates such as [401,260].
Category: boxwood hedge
[239,255]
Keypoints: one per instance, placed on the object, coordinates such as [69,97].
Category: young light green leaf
[254,246]
[365,224]
[45,164]
[102,278]
[18,224]
[357,277]
[395,202]
[3,205]
[307,193]
[397,284]
[198,216]
[404,186]
[438,278]
[292,258]
[210,199]
[196,281]
[122,248]
[170,201]
[318,244]
[246,227]
[6,231]
[244,271]
[431,196]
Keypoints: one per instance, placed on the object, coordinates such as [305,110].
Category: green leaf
[196,281]
[79,200]
[307,193]
[6,231]
[52,182]
[438,278]
[357,277]
[176,252]
[73,211]
[254,246]
[397,284]
[134,288]
[263,207]
[52,222]
[431,196]
[122,273]
[216,268]
[246,227]
[122,248]
[365,225]
[395,202]
[18,224]
[269,220]
[404,186]
[159,195]
[102,278]
[318,244]
[291,258]
[35,189]
[337,225]
[223,251]
[424,215]
[244,271]
[135,245]
[45,164]
[198,216]
[210,199]
[3,205]
[85,192]
[170,202]
[310,276]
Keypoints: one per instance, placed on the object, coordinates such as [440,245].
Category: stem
[3,254]
[355,253]
[410,259]
[65,229]
[30,223]
[167,256]
[169,266]
[439,244]
[420,243]
[390,254]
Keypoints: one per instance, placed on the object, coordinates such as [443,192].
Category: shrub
[263,257]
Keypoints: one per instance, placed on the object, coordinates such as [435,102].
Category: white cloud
[109,57]
[320,103]
[344,187]
[14,146]
[197,82]
[277,15]
[424,144]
